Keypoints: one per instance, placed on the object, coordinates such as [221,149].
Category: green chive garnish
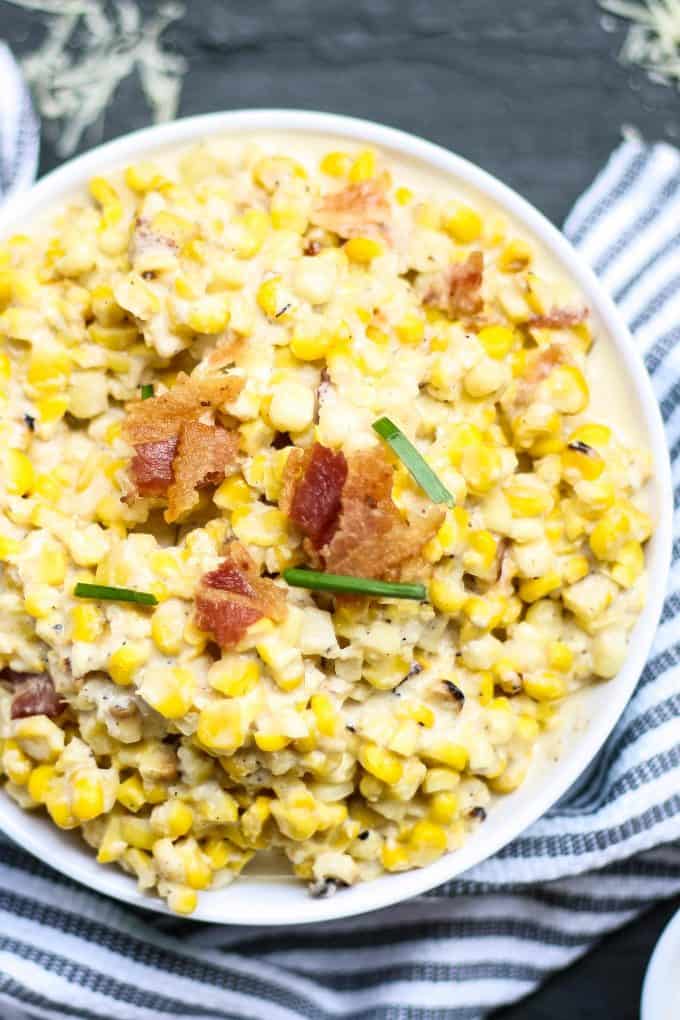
[104,591]
[147,390]
[319,581]
[414,463]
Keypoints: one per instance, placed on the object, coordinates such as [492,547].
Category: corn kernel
[39,782]
[209,315]
[271,741]
[322,707]
[234,676]
[453,755]
[87,795]
[364,166]
[515,256]
[220,726]
[137,832]
[362,249]
[394,857]
[125,661]
[533,589]
[336,164]
[545,686]
[444,807]
[381,763]
[169,691]
[310,348]
[464,224]
[18,472]
[560,656]
[131,794]
[86,623]
[497,341]
[411,329]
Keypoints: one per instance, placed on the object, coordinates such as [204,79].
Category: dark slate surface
[529,89]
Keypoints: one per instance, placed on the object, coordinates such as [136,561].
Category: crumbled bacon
[151,466]
[558,318]
[312,490]
[233,597]
[360,208]
[204,452]
[345,508]
[372,539]
[149,421]
[457,290]
[36,695]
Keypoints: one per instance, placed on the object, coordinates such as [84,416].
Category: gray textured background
[529,89]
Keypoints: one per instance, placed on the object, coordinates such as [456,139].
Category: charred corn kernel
[395,857]
[174,818]
[497,341]
[167,627]
[578,456]
[274,300]
[463,224]
[271,741]
[234,676]
[336,164]
[87,795]
[445,596]
[137,832]
[568,389]
[448,753]
[410,330]
[538,587]
[362,249]
[86,623]
[546,686]
[182,900]
[125,661]
[364,166]
[18,472]
[131,794]
[444,807]
[39,781]
[324,713]
[220,726]
[404,196]
[381,763]
[169,691]
[609,534]
[592,434]
[310,348]
[438,779]
[560,656]
[515,256]
[210,314]
[575,568]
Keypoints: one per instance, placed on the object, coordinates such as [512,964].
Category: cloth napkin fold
[478,942]
[19,132]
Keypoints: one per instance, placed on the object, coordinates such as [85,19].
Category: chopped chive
[317,580]
[104,591]
[147,390]
[413,461]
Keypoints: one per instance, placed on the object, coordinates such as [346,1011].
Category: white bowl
[268,901]
[661,989]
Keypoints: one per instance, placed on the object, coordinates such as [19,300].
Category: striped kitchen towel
[604,854]
[18,129]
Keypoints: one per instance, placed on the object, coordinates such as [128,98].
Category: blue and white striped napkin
[19,134]
[476,943]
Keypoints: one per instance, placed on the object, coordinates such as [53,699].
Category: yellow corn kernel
[174,818]
[480,466]
[497,341]
[114,338]
[609,534]
[515,256]
[403,196]
[51,408]
[177,228]
[425,835]
[445,596]
[584,459]
[575,568]
[59,808]
[526,727]
[209,315]
[448,753]
[234,676]
[232,494]
[48,487]
[417,711]
[336,164]
[131,794]
[220,726]
[382,764]
[143,177]
[533,589]
[546,686]
[169,691]
[5,369]
[167,626]
[527,500]
[438,779]
[39,782]
[18,472]
[182,900]
[560,656]
[310,348]
[362,249]
[568,389]
[444,807]
[271,741]
[464,224]
[86,623]
[16,764]
[484,546]
[395,857]
[137,832]
[39,602]
[273,300]
[630,563]
[8,547]
[411,329]
[364,166]
[218,852]
[125,661]
[87,795]
[112,845]
[324,714]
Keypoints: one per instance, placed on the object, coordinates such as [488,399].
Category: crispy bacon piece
[558,318]
[233,597]
[312,490]
[36,695]
[457,290]
[360,208]
[151,466]
[149,421]
[372,539]
[204,452]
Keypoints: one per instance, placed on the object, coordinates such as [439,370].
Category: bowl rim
[657,986]
[386,890]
